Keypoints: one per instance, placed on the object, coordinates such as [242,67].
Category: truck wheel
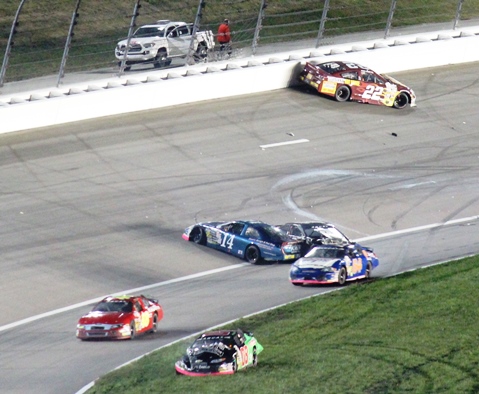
[161,59]
[201,53]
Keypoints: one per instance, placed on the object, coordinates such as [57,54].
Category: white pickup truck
[159,43]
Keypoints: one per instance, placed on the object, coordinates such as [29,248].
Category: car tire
[161,59]
[154,328]
[297,284]
[252,254]
[201,53]
[132,330]
[198,236]
[369,268]
[235,364]
[342,276]
[255,358]
[401,100]
[343,93]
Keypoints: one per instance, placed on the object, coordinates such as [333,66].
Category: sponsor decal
[328,87]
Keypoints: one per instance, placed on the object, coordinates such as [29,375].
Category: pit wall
[169,87]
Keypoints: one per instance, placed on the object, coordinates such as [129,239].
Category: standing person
[224,36]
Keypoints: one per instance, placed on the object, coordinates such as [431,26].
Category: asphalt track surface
[98,207]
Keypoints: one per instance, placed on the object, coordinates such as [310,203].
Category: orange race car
[350,81]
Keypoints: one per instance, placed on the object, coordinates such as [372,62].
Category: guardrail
[58,37]
[230,78]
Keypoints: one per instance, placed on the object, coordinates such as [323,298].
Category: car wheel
[201,53]
[343,93]
[401,100]
[252,254]
[297,284]
[255,357]
[342,276]
[154,328]
[161,59]
[369,268]
[132,330]
[235,364]
[198,236]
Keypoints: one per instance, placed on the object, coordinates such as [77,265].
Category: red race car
[120,317]
[350,81]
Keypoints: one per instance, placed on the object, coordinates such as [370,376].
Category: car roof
[218,333]
[119,298]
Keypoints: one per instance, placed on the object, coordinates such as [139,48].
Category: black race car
[311,234]
[221,352]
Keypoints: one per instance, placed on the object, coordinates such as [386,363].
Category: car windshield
[152,31]
[326,253]
[216,345]
[113,306]
[328,234]
[272,234]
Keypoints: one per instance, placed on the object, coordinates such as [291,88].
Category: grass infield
[416,332]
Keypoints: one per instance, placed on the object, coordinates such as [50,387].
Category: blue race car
[253,241]
[333,264]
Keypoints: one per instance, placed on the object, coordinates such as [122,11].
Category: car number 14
[373,93]
[228,241]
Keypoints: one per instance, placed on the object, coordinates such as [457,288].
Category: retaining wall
[209,81]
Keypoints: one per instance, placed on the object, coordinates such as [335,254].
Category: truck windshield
[150,32]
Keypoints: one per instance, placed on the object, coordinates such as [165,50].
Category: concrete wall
[226,79]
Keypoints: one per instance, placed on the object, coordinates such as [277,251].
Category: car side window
[350,75]
[183,30]
[296,231]
[252,233]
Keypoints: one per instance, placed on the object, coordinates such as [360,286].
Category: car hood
[314,262]
[400,85]
[105,318]
[141,40]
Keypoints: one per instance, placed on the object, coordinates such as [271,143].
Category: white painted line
[420,228]
[218,270]
[131,291]
[283,143]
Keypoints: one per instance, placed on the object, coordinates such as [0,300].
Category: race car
[220,352]
[350,81]
[333,264]
[120,317]
[253,241]
[311,234]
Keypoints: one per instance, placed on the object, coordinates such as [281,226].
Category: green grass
[41,36]
[416,333]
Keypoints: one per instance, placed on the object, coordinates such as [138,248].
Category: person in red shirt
[224,36]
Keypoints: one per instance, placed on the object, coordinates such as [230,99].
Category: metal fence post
[390,19]
[68,43]
[324,18]
[130,34]
[190,58]
[259,26]
[10,43]
[458,14]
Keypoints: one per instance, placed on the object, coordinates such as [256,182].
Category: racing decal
[354,265]
[214,237]
[145,319]
[336,79]
[328,87]
[228,241]
[373,93]
[243,356]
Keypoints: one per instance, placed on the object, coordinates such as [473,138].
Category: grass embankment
[44,24]
[416,332]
